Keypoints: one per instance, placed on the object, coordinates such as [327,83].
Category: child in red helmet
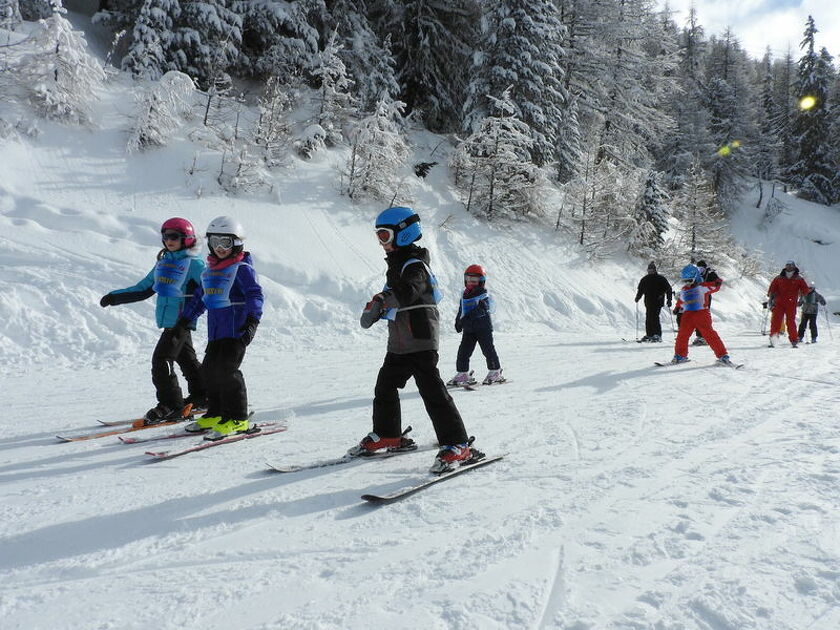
[173,278]
[473,320]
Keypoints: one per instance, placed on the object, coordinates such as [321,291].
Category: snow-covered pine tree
[582,63]
[61,77]
[728,95]
[368,59]
[703,229]
[495,174]
[650,218]
[631,120]
[433,41]
[521,46]
[783,95]
[206,41]
[118,15]
[815,170]
[378,154]
[272,130]
[690,140]
[335,103]
[34,10]
[279,38]
[768,144]
[151,39]
[10,16]
[161,108]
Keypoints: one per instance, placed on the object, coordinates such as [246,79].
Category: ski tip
[62,438]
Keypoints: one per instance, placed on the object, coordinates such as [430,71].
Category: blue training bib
[170,276]
[217,284]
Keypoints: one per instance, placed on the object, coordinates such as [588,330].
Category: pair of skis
[130,426]
[402,493]
[736,366]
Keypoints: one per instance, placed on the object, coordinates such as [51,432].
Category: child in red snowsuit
[694,300]
[784,293]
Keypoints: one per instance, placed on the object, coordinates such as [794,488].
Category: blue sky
[761,23]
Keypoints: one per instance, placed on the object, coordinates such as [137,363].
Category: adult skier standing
[655,288]
[409,303]
[784,292]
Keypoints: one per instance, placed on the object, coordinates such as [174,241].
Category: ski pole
[764,321]
[637,321]
[673,327]
[827,324]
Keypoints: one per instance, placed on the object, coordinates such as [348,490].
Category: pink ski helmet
[183,227]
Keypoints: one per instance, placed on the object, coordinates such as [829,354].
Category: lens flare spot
[807,102]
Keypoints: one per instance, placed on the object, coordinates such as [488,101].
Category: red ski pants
[788,312]
[700,321]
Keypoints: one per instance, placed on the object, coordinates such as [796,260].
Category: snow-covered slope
[632,496]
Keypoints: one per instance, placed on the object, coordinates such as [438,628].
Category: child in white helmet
[233,299]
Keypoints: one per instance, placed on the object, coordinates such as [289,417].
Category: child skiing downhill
[473,319]
[233,299]
[810,304]
[174,277]
[409,303]
[694,300]
[784,293]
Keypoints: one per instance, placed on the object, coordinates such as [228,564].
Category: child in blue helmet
[176,274]
[694,301]
[409,303]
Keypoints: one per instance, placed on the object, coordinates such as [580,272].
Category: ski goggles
[385,235]
[221,241]
[171,236]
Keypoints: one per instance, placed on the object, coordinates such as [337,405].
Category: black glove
[249,329]
[764,305]
[459,326]
[107,300]
[669,303]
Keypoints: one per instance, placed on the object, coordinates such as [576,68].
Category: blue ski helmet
[403,223]
[690,273]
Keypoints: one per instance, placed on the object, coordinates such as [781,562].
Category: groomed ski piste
[631,496]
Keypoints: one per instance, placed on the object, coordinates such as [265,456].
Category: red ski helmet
[183,227]
[476,271]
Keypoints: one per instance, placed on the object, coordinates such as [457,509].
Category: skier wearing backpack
[176,274]
[784,292]
[810,304]
[409,303]
[473,320]
[694,301]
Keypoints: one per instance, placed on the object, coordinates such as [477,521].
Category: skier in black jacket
[655,288]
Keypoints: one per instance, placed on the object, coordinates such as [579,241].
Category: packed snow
[631,496]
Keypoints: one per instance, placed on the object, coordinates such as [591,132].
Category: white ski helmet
[227,225]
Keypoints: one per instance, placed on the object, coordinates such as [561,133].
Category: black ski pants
[393,375]
[484,339]
[226,393]
[175,346]
[810,320]
[652,325]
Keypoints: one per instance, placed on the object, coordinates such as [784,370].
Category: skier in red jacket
[784,293]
